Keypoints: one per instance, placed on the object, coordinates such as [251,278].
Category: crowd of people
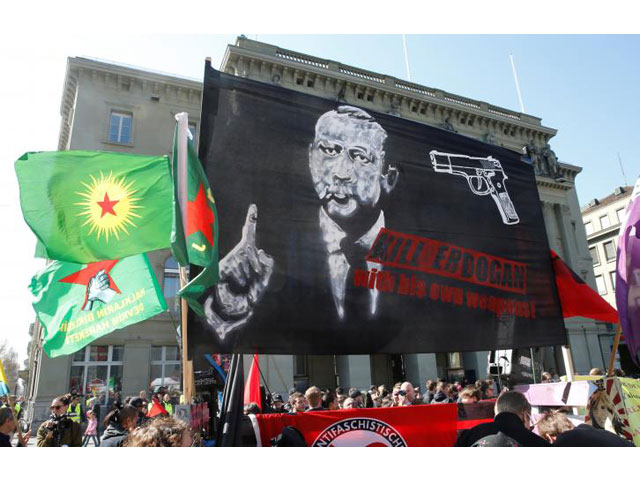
[138,422]
[401,394]
[134,421]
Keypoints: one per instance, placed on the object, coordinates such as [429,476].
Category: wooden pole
[187,371]
[568,362]
[614,350]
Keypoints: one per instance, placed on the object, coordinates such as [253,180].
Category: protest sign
[413,426]
[393,235]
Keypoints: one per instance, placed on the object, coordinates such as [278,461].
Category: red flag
[156,409]
[577,298]
[252,387]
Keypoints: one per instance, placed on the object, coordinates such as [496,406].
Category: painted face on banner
[346,160]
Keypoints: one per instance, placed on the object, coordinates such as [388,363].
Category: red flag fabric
[252,387]
[412,426]
[156,409]
[577,298]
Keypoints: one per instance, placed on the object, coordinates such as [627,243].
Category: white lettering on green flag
[78,303]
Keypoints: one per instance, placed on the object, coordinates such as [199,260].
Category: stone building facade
[108,106]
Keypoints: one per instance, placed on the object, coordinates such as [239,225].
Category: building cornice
[247,54]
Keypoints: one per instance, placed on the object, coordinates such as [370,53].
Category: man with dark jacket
[513,419]
[314,399]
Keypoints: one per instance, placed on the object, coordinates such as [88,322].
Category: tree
[9,358]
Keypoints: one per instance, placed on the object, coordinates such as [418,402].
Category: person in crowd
[410,394]
[618,372]
[118,423]
[383,391]
[596,372]
[546,377]
[140,405]
[60,430]
[9,424]
[556,427]
[297,402]
[91,432]
[166,403]
[441,393]
[358,399]
[251,409]
[429,392]
[277,404]
[418,394]
[387,402]
[74,411]
[143,395]
[314,399]
[512,419]
[349,403]
[161,432]
[330,402]
[452,393]
[489,391]
[469,394]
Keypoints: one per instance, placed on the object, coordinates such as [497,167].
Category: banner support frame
[614,350]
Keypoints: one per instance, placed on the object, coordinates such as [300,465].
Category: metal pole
[406,56]
[515,77]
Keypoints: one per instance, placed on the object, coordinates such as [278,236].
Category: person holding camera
[59,430]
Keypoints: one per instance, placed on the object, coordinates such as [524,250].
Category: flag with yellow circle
[87,206]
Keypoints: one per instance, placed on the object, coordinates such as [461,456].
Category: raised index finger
[249,228]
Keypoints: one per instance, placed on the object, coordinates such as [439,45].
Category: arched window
[171,284]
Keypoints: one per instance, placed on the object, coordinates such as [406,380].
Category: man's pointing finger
[249,228]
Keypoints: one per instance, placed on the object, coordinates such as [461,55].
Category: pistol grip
[504,203]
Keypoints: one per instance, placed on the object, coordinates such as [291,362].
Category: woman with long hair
[118,423]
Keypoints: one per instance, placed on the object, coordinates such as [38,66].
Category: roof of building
[618,193]
[140,69]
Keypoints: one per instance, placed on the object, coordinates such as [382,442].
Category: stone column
[136,368]
[278,371]
[420,367]
[354,371]
[477,361]
[551,224]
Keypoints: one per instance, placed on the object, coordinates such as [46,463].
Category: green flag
[194,238]
[90,206]
[78,303]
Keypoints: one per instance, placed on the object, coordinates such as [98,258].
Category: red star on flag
[107,205]
[82,277]
[200,216]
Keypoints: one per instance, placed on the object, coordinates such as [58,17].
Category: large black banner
[347,231]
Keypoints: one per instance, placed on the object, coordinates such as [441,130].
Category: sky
[585,86]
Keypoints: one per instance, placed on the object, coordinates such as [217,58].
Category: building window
[120,127]
[171,284]
[612,275]
[97,369]
[602,288]
[605,222]
[165,368]
[620,214]
[594,256]
[589,228]
[609,251]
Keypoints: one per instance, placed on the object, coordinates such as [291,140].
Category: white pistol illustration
[484,175]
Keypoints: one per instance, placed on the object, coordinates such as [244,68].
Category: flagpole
[614,350]
[187,371]
[188,384]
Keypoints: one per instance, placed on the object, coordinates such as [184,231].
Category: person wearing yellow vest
[74,412]
[168,406]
